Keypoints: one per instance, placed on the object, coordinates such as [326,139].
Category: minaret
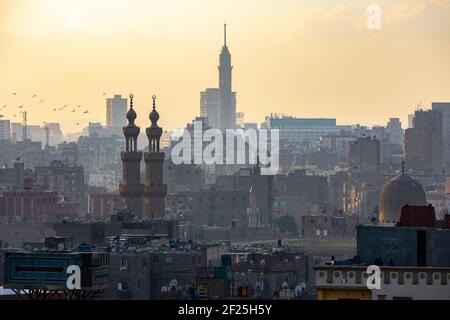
[227,112]
[155,190]
[132,190]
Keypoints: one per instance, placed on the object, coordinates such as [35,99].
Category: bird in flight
[73,110]
[34,96]
[41,101]
[14,93]
[86,111]
[20,107]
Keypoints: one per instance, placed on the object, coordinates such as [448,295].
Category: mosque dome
[397,192]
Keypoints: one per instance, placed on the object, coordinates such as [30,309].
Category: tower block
[132,190]
[155,190]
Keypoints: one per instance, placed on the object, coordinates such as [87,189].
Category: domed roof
[154,115]
[396,192]
[131,115]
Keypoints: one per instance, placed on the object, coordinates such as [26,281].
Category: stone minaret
[155,190]
[132,190]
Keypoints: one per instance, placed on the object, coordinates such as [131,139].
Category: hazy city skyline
[309,59]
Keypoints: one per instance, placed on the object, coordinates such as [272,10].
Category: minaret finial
[131,101]
[403,166]
[154,101]
[224,34]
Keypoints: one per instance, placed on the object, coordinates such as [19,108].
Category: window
[123,264]
[122,286]
[169,260]
[318,232]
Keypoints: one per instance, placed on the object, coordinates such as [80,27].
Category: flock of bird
[20,109]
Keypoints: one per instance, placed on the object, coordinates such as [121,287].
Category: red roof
[417,216]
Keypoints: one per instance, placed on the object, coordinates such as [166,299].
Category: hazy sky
[310,58]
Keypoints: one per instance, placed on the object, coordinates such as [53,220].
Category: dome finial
[154,101]
[131,100]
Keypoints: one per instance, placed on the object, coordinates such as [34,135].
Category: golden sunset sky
[310,58]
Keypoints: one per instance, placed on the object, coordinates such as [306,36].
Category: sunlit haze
[312,58]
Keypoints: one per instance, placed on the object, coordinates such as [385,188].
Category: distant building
[5,130]
[444,107]
[65,179]
[365,156]
[28,205]
[12,179]
[395,131]
[103,205]
[423,142]
[116,108]
[240,120]
[209,106]
[301,131]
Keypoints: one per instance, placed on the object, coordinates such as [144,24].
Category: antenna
[47,134]
[24,126]
[225,34]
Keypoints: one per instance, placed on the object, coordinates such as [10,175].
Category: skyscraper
[218,105]
[227,107]
[116,108]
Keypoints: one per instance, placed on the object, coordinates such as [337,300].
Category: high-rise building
[395,131]
[209,106]
[116,108]
[227,107]
[218,105]
[5,131]
[423,142]
[155,190]
[444,107]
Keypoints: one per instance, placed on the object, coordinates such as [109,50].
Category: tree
[287,224]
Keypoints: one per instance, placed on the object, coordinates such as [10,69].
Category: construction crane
[24,126]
